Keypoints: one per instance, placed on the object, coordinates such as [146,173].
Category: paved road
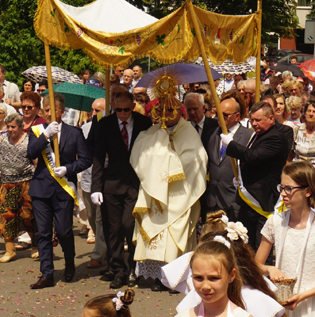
[68,299]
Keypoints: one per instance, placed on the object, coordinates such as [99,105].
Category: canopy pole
[259,14]
[107,92]
[210,78]
[52,103]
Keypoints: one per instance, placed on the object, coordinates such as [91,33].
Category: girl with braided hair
[112,305]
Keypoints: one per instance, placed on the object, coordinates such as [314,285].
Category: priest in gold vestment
[171,165]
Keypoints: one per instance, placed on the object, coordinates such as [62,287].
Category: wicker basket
[285,289]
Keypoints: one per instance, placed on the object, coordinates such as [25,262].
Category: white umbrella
[59,75]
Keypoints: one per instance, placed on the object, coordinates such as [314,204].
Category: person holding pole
[53,188]
[261,162]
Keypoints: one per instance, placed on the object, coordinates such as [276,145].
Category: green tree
[21,48]
[311,15]
[278,16]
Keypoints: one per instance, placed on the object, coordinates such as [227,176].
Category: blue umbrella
[182,73]
[78,96]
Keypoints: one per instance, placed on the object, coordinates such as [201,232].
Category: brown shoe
[43,282]
[93,264]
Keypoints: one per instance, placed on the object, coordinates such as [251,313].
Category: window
[304,3]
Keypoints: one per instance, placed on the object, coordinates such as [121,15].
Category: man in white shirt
[11,90]
[228,82]
[10,109]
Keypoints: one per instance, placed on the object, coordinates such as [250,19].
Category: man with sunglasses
[261,163]
[220,189]
[116,187]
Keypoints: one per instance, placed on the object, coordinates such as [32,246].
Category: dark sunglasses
[123,109]
[28,107]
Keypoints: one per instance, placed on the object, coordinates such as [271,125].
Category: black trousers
[44,209]
[118,224]
[254,222]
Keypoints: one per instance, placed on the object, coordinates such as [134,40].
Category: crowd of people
[165,203]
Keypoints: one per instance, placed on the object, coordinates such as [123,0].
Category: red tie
[124,133]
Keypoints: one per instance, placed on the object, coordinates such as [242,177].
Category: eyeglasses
[227,115]
[122,109]
[40,90]
[250,92]
[28,107]
[291,90]
[287,189]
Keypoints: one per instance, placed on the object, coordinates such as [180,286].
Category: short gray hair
[57,97]
[241,82]
[129,69]
[14,117]
[287,73]
[3,108]
[191,95]
[294,101]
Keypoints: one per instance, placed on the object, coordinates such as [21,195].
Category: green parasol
[77,96]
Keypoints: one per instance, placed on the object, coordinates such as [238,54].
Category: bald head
[98,106]
[231,112]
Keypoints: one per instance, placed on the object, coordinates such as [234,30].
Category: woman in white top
[293,234]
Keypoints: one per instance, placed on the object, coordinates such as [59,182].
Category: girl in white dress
[216,280]
[257,292]
[293,233]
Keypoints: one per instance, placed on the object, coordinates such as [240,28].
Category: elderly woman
[30,107]
[295,88]
[294,105]
[16,172]
[304,136]
[3,114]
[241,87]
[281,110]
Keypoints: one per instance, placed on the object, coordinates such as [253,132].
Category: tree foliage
[21,48]
[278,17]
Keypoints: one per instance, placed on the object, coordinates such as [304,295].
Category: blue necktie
[222,151]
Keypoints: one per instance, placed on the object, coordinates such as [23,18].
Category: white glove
[97,198]
[60,171]
[226,139]
[235,183]
[52,129]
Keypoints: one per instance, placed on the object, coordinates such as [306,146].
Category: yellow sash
[49,158]
[252,202]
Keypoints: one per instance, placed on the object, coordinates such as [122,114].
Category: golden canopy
[169,40]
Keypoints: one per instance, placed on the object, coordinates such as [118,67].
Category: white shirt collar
[129,120]
[234,128]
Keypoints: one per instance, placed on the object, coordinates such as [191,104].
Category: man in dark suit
[220,190]
[262,161]
[116,187]
[49,198]
[195,107]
